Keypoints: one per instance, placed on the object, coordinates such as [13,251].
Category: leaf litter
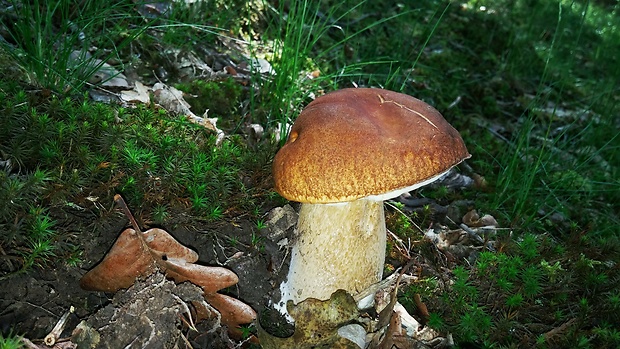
[137,254]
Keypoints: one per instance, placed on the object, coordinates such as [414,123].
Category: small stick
[29,344]
[52,337]
[187,343]
[472,233]
[119,200]
[190,322]
[475,235]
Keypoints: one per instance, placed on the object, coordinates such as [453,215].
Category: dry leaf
[105,74]
[472,219]
[312,317]
[129,258]
[136,254]
[234,312]
[139,94]
[171,99]
[126,261]
[160,240]
[211,279]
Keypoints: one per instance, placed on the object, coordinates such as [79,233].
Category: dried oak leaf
[234,313]
[132,256]
[136,254]
[210,279]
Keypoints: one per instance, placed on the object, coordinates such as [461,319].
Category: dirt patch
[148,314]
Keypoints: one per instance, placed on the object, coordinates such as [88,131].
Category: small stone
[279,221]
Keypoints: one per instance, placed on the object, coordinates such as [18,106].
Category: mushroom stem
[337,246]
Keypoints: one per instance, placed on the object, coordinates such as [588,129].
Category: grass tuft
[52,41]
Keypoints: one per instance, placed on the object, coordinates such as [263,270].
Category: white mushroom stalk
[338,246]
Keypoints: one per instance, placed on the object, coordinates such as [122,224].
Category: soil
[31,303]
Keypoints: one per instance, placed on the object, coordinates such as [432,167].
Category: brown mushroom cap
[359,142]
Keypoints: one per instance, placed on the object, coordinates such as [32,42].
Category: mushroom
[347,152]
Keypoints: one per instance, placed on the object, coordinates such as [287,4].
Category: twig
[52,337]
[187,343]
[189,322]
[157,256]
[120,202]
[243,342]
[477,237]
[472,233]
[404,215]
[29,344]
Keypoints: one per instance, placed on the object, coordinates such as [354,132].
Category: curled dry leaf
[159,240]
[132,256]
[136,254]
[211,279]
[126,261]
[472,219]
[488,221]
[234,312]
[422,309]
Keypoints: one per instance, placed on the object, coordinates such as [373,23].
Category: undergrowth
[10,341]
[531,86]
[526,89]
[56,43]
[85,153]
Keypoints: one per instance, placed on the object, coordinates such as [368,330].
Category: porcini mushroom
[347,152]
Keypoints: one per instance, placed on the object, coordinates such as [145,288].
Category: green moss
[64,150]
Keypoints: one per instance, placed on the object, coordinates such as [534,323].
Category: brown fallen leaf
[133,255]
[473,219]
[138,254]
[234,312]
[422,309]
[211,279]
[159,240]
[126,261]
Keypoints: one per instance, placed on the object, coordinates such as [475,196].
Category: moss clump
[60,151]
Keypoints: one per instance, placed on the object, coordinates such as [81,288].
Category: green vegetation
[10,342]
[51,41]
[531,85]
[536,101]
[75,154]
